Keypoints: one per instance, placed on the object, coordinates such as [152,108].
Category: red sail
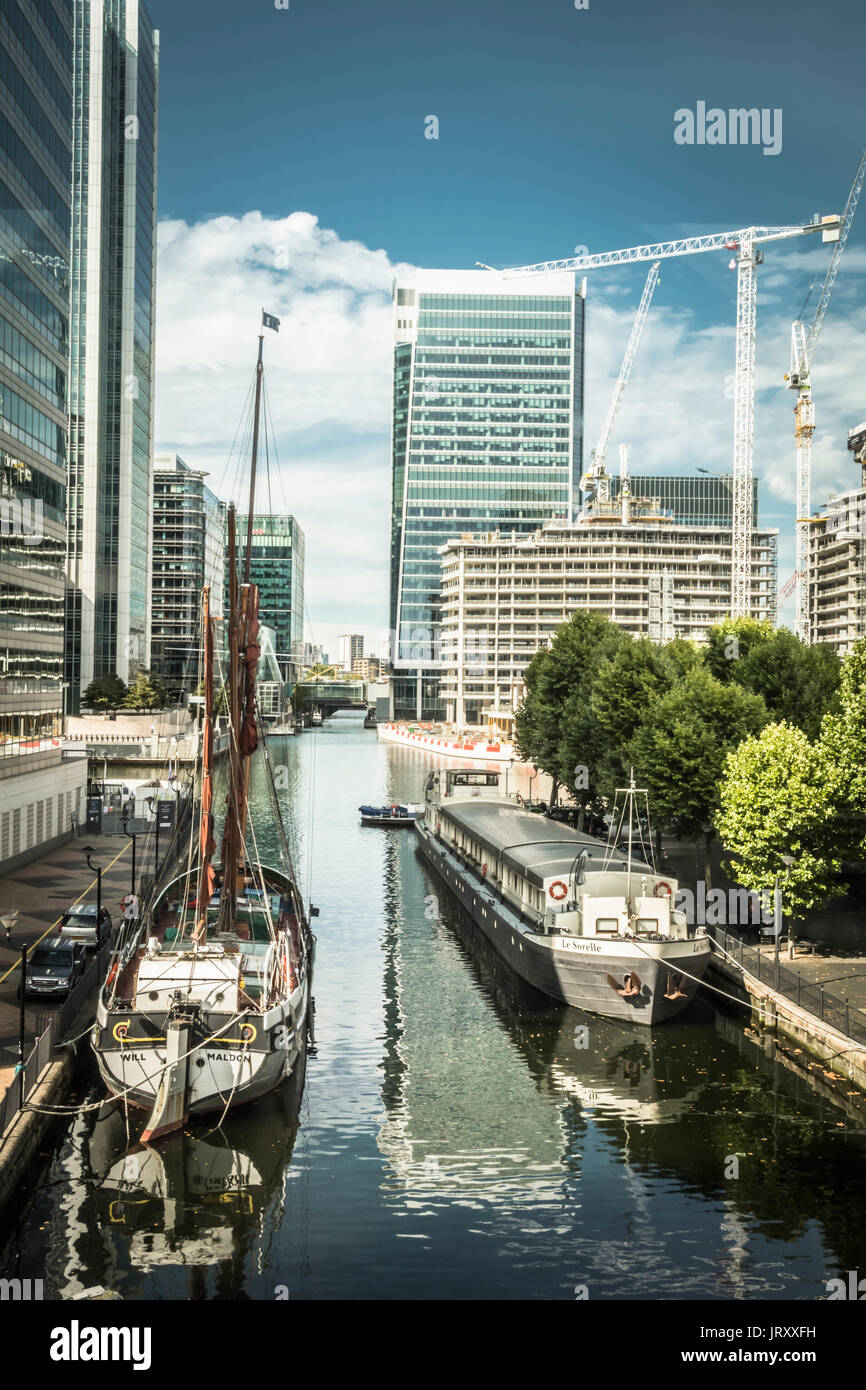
[249,738]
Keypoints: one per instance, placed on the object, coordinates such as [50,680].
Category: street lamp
[88,850]
[787,860]
[130,835]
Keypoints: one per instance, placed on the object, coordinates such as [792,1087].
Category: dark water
[452,1140]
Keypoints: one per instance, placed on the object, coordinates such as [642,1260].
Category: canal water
[457,1136]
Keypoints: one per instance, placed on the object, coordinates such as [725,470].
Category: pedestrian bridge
[329,696]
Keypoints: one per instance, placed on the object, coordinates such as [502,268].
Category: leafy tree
[775,799]
[730,642]
[555,726]
[679,657]
[624,687]
[843,743]
[146,692]
[108,692]
[798,683]
[679,750]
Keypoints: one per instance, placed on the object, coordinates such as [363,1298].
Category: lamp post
[88,850]
[22,1027]
[130,835]
[787,860]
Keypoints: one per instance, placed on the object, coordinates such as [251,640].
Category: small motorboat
[389,816]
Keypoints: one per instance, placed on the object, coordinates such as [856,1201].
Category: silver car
[82,924]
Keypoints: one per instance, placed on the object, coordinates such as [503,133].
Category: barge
[586,922]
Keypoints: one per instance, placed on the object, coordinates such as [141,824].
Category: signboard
[94,815]
[165,814]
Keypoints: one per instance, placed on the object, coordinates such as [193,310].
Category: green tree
[679,750]
[730,642]
[775,799]
[556,726]
[146,692]
[798,684]
[843,747]
[624,687]
[108,692]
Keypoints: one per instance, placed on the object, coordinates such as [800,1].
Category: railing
[52,1028]
[830,1008]
[20,747]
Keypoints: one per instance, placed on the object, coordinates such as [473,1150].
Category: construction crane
[788,587]
[746,244]
[803,346]
[595,477]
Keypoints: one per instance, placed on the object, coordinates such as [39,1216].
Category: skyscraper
[188,553]
[39,789]
[350,646]
[113,263]
[487,433]
[277,566]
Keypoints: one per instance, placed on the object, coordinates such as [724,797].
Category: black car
[54,967]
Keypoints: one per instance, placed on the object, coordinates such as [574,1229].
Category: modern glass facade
[188,553]
[277,566]
[694,501]
[36,83]
[112,336]
[487,433]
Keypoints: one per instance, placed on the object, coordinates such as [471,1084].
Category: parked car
[80,924]
[54,967]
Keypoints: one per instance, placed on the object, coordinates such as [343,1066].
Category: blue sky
[555,130]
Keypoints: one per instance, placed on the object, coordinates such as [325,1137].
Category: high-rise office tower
[189,552]
[707,500]
[487,433]
[113,263]
[277,566]
[39,789]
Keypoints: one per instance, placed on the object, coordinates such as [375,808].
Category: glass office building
[277,566]
[188,553]
[113,263]
[36,43]
[705,500]
[487,434]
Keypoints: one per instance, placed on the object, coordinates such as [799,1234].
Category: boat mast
[206,876]
[630,799]
[259,374]
[232,847]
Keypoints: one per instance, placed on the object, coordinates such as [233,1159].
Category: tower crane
[802,354]
[595,479]
[746,244]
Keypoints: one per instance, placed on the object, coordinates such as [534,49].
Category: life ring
[558,890]
[662,889]
[483,870]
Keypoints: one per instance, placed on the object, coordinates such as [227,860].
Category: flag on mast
[269,321]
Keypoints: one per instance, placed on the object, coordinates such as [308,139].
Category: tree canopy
[107,692]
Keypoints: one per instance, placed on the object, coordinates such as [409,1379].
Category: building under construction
[836,562]
[504,596]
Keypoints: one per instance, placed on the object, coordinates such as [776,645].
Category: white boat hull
[478,750]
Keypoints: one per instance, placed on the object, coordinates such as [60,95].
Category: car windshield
[45,957]
[79,919]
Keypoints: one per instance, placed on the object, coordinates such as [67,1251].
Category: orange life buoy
[483,870]
[662,889]
[558,890]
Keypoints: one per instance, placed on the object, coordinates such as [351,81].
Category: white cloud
[329,384]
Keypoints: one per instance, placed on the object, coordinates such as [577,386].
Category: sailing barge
[207,996]
[585,922]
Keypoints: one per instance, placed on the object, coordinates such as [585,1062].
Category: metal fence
[52,1028]
[829,1007]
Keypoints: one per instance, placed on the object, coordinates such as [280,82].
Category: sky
[295,175]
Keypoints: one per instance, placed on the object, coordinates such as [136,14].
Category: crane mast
[596,469]
[799,379]
[745,243]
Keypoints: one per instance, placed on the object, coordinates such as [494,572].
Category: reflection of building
[707,500]
[188,553]
[837,562]
[504,595]
[111,341]
[277,566]
[271,689]
[350,648]
[487,431]
[38,790]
